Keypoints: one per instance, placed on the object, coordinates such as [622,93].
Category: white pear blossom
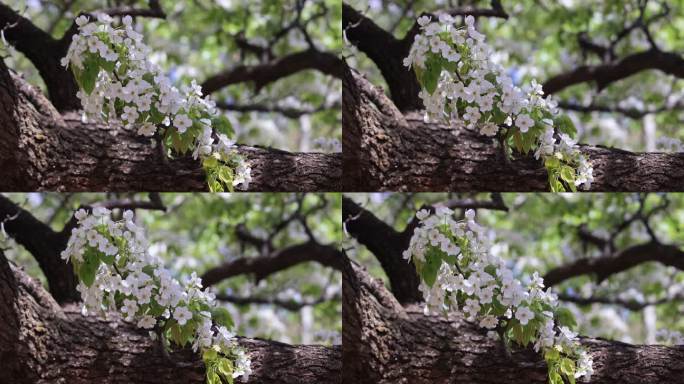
[474,92]
[140,279]
[524,315]
[480,285]
[131,89]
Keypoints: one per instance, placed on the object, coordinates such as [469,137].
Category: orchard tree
[490,96]
[97,95]
[491,289]
[88,286]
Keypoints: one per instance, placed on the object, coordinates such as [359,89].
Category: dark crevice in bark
[41,343]
[43,150]
[385,343]
[388,151]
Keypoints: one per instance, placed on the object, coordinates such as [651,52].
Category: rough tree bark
[384,149]
[384,342]
[41,149]
[41,343]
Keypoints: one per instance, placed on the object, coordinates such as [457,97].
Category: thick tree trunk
[384,342]
[384,149]
[42,343]
[40,149]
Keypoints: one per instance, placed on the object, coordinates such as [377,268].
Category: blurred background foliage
[541,39]
[199,38]
[199,231]
[541,231]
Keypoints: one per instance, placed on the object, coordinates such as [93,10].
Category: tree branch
[633,113]
[263,266]
[292,113]
[384,149]
[385,343]
[605,74]
[603,267]
[290,305]
[387,246]
[632,305]
[43,150]
[496,203]
[42,343]
[387,53]
[264,74]
[45,245]
[45,54]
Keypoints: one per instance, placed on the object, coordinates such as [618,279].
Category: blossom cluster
[117,273]
[462,86]
[118,82]
[459,273]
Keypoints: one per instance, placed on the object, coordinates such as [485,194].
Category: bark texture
[41,343]
[384,149]
[41,149]
[384,342]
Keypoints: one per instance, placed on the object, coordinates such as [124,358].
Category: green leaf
[209,355]
[221,316]
[518,333]
[212,377]
[565,125]
[176,333]
[431,267]
[89,75]
[222,125]
[433,69]
[551,162]
[551,355]
[567,174]
[88,270]
[225,369]
[555,378]
[565,317]
[567,366]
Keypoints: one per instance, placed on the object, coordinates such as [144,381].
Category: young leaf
[432,263]
[565,317]
[433,69]
[222,125]
[221,316]
[89,75]
[565,125]
[88,270]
